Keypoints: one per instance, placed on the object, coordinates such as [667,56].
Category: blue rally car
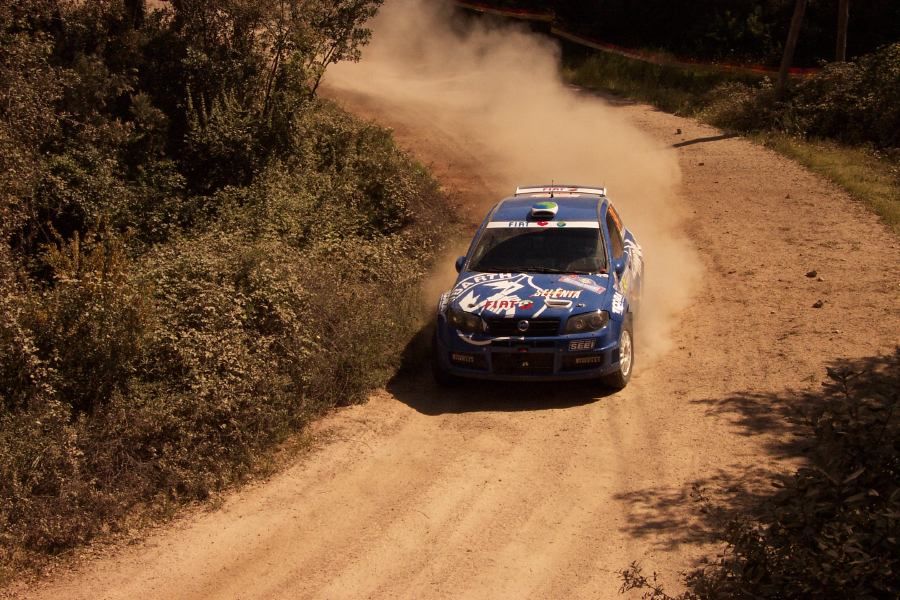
[547,292]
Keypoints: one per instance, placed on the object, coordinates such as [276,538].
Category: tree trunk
[790,46]
[840,54]
[136,11]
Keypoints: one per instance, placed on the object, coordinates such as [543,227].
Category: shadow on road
[703,140]
[700,511]
[695,513]
[415,387]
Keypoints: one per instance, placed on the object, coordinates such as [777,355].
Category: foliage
[734,31]
[854,102]
[851,103]
[197,255]
[831,530]
[670,87]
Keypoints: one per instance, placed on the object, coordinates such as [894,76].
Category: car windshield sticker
[542,224]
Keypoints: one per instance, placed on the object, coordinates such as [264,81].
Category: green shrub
[737,106]
[856,102]
[197,256]
[88,326]
[832,530]
[853,102]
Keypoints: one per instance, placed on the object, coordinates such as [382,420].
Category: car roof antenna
[552,182]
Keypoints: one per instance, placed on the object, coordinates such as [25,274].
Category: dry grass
[873,179]
[868,176]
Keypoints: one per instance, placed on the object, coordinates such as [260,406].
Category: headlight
[585,322]
[465,322]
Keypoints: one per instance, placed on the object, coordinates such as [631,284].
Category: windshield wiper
[521,269]
[547,270]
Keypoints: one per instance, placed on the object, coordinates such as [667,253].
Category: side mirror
[619,265]
[459,263]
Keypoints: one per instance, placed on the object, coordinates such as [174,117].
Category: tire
[619,378]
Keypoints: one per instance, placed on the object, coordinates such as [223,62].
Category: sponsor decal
[581,345]
[506,304]
[583,282]
[506,294]
[557,293]
[636,264]
[498,293]
[540,224]
[474,280]
[618,303]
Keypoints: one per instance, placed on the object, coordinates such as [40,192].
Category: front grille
[510,327]
[523,343]
[522,363]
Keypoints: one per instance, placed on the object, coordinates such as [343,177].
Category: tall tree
[840,54]
[790,46]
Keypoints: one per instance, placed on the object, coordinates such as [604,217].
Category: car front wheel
[619,378]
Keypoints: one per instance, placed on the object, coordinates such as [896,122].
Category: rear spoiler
[561,189]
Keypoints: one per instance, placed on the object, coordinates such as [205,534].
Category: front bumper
[569,357]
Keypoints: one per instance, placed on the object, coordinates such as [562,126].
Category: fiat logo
[522,326]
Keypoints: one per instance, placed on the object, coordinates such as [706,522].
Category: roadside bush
[853,102]
[832,530]
[737,106]
[88,325]
[856,102]
[197,256]
[163,378]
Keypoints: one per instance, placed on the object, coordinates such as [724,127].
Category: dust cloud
[493,93]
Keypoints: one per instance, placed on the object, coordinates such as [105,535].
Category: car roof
[572,206]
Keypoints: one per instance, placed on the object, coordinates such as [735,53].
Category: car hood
[530,295]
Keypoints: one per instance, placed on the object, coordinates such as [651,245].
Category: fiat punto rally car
[547,291]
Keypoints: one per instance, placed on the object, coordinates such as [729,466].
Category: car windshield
[556,250]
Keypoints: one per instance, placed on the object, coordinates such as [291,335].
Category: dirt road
[546,491]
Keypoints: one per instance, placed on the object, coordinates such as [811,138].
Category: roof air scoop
[544,210]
